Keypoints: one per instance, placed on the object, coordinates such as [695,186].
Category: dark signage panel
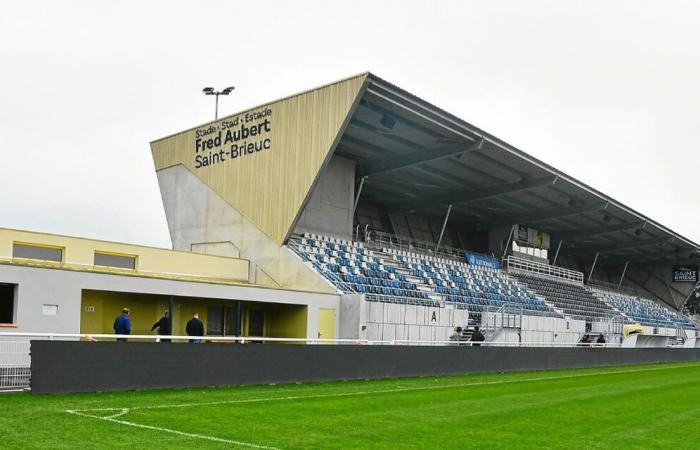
[685,274]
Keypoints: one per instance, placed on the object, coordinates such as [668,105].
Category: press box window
[8,303]
[119,261]
[30,251]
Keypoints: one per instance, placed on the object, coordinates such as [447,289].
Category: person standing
[164,326]
[477,336]
[195,327]
[122,324]
[457,335]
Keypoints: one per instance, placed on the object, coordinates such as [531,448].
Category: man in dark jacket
[163,326]
[477,336]
[195,327]
[122,324]
[601,339]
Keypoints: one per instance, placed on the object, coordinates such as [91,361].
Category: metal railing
[15,364]
[379,239]
[531,267]
[98,338]
[504,317]
[442,303]
[614,287]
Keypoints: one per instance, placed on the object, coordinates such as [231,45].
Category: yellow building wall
[145,309]
[287,321]
[267,186]
[79,254]
[100,308]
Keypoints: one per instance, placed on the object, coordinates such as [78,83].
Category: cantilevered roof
[418,158]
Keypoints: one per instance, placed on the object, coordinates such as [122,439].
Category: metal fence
[15,364]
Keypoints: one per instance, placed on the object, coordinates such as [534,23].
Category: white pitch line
[379,391]
[124,411]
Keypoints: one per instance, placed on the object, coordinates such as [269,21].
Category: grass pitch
[650,406]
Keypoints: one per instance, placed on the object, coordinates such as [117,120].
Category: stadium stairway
[396,276]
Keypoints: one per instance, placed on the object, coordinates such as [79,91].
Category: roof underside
[420,159]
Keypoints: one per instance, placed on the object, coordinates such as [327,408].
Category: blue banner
[474,259]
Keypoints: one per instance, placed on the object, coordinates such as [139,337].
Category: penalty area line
[114,418]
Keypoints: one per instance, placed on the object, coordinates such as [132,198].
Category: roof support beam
[442,231]
[556,255]
[464,196]
[595,260]
[624,271]
[592,232]
[419,157]
[536,216]
[357,196]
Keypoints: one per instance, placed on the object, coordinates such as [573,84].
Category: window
[8,303]
[35,251]
[112,260]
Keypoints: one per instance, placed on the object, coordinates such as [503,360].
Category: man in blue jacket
[122,324]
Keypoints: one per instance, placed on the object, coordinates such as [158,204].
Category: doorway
[326,323]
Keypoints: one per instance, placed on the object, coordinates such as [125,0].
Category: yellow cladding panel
[265,160]
[79,254]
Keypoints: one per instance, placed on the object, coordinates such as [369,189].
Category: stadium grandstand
[359,211]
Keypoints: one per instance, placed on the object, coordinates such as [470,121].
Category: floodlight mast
[211,91]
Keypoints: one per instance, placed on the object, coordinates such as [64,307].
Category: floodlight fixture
[211,91]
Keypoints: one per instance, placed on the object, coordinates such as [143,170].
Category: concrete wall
[329,210]
[199,218]
[379,321]
[537,329]
[39,286]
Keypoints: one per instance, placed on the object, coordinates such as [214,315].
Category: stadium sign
[474,259]
[233,138]
[685,274]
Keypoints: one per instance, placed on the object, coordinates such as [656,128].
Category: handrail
[613,287]
[536,268]
[381,238]
[96,338]
[469,306]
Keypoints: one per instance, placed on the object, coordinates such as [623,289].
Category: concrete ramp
[645,341]
[692,343]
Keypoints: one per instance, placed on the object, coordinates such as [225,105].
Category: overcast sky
[608,92]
